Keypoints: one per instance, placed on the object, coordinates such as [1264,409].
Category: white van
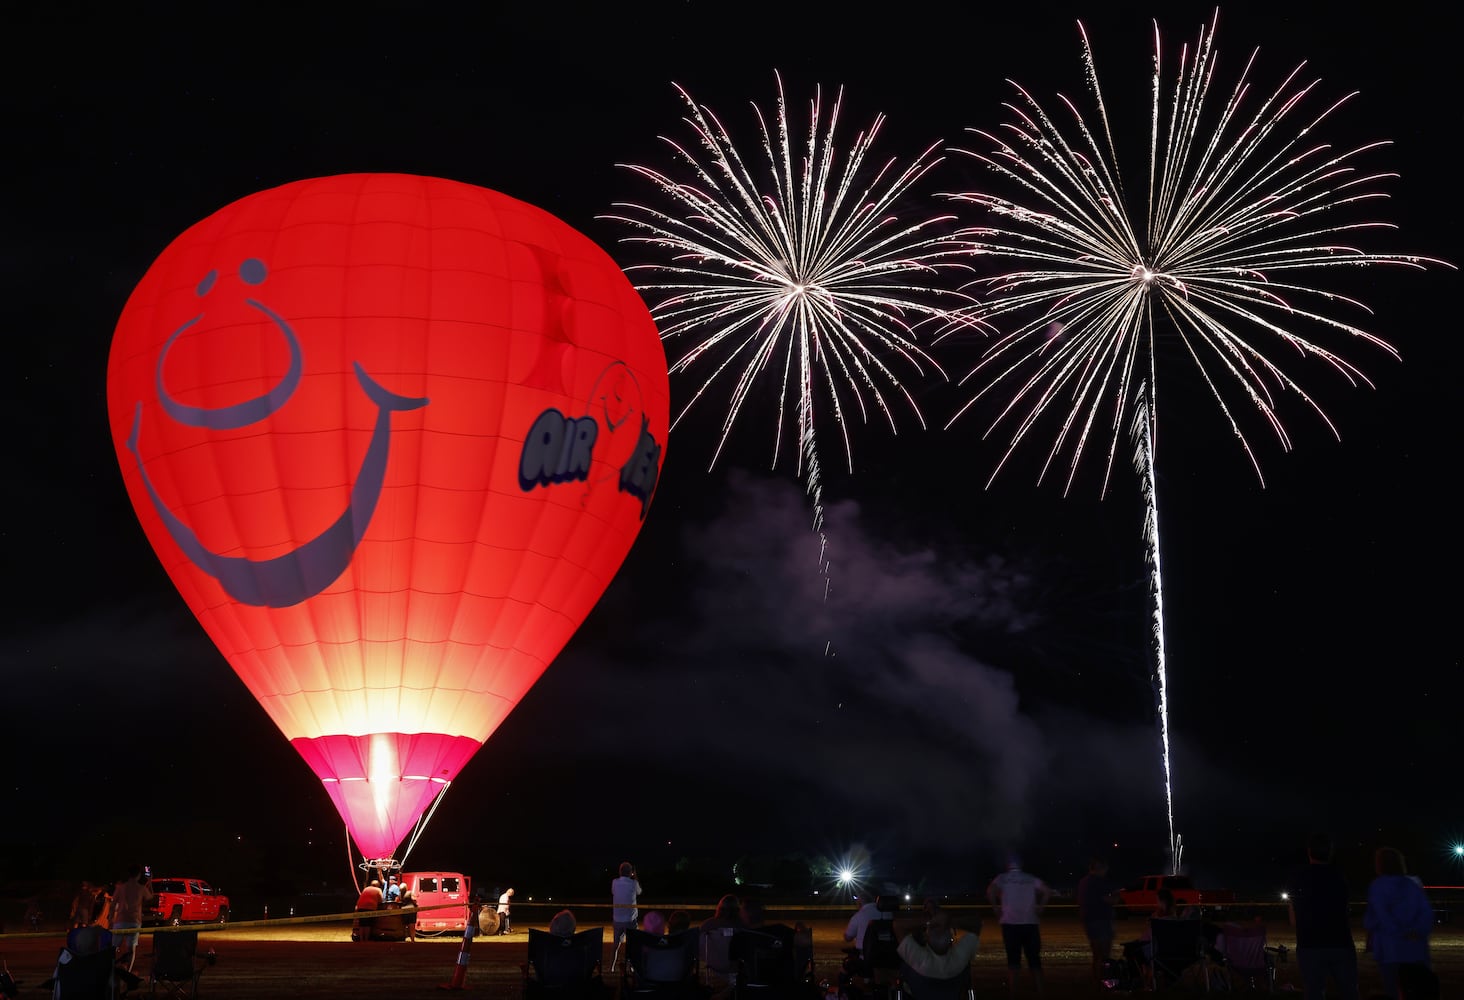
[437,889]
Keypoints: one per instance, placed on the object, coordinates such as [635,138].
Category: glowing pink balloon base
[382,782]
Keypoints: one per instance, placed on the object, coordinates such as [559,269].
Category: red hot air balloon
[391,437]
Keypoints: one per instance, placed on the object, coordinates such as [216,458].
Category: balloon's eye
[253,271]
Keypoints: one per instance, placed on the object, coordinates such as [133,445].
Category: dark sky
[976,679]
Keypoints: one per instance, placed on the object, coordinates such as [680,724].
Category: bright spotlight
[845,876]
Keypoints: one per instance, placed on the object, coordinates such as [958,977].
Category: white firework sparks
[1242,210]
[1143,432]
[813,270]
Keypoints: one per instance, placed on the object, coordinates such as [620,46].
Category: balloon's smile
[305,571]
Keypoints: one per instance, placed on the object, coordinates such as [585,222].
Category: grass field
[316,959]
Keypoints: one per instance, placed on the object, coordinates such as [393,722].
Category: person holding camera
[624,891]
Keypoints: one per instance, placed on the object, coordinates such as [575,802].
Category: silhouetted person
[1096,896]
[90,937]
[716,936]
[562,924]
[1399,919]
[83,907]
[1317,905]
[128,901]
[409,919]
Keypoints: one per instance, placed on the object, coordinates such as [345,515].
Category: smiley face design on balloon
[306,570]
[391,437]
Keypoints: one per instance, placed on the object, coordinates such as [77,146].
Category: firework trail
[1244,210]
[800,267]
[1144,464]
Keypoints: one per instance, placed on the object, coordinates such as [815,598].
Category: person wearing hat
[393,889]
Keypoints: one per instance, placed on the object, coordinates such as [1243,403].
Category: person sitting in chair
[859,922]
[720,970]
[798,940]
[562,924]
[90,937]
[939,953]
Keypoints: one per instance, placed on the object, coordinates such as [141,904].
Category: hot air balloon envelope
[391,437]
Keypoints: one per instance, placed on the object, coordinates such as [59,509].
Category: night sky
[976,679]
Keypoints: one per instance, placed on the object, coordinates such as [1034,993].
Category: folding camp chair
[86,977]
[767,966]
[874,968]
[564,968]
[664,965]
[718,967]
[176,964]
[1176,946]
[913,986]
[1247,962]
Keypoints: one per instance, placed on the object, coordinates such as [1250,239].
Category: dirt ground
[314,958]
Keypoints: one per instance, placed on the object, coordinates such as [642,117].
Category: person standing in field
[624,891]
[83,907]
[1096,897]
[1399,920]
[1019,899]
[128,901]
[505,901]
[1317,905]
[372,898]
[407,900]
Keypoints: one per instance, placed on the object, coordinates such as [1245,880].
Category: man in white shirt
[859,923]
[503,904]
[1019,899]
[624,891]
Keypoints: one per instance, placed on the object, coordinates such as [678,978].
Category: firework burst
[803,266]
[1245,208]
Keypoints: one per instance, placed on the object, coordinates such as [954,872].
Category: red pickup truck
[1144,896]
[185,901]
